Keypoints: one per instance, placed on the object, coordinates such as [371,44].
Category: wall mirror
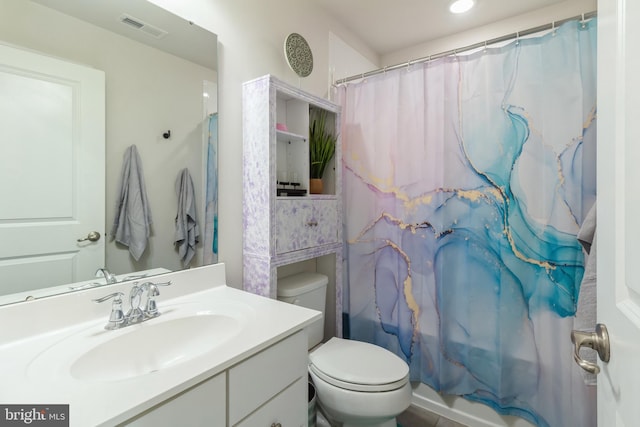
[159,94]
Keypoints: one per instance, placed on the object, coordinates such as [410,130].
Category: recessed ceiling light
[461,6]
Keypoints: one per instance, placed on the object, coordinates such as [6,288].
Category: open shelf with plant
[322,147]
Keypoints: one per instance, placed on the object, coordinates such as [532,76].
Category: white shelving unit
[286,233]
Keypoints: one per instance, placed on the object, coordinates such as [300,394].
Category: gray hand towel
[187,233]
[132,222]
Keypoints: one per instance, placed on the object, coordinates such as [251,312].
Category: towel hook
[167,134]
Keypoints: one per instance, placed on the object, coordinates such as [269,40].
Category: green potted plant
[322,147]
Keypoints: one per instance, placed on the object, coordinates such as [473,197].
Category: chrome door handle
[93,236]
[598,340]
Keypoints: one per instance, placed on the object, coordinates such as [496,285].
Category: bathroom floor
[417,417]
[412,417]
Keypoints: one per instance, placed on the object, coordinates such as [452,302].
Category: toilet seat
[358,366]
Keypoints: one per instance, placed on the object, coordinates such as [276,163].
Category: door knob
[93,236]
[598,340]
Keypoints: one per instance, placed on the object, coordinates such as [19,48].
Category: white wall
[345,61]
[251,35]
[148,92]
[546,15]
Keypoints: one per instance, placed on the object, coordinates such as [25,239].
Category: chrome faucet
[135,314]
[109,277]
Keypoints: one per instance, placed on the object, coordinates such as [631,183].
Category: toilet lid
[357,365]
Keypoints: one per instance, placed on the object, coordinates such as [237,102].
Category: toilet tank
[306,290]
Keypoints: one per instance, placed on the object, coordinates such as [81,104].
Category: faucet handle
[152,288]
[116,318]
[151,308]
[116,295]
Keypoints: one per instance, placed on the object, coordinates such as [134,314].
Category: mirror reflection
[82,82]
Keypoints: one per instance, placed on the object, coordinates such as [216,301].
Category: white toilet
[357,383]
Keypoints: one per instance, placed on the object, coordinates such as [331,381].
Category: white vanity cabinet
[243,361]
[285,226]
[268,388]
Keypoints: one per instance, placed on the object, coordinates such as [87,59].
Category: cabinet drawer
[302,224]
[202,405]
[289,408]
[260,378]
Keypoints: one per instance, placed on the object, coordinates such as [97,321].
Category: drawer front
[202,405]
[289,408]
[302,224]
[263,376]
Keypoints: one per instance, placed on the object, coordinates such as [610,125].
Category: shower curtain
[211,209]
[465,182]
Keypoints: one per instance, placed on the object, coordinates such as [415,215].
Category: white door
[52,143]
[618,240]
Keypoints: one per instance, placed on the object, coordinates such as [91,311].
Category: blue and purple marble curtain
[466,180]
[211,209]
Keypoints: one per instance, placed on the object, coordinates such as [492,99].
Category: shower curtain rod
[516,35]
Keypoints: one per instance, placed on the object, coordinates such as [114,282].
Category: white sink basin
[185,332]
[153,347]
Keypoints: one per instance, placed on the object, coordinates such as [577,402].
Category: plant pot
[315,186]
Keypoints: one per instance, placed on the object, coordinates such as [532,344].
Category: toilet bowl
[357,383]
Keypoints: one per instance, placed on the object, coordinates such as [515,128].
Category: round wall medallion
[298,54]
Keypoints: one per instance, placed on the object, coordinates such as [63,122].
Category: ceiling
[388,26]
[182,38]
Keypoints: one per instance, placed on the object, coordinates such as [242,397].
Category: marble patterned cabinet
[280,229]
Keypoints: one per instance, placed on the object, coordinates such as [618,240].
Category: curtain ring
[517,38]
[408,65]
[582,21]
[553,28]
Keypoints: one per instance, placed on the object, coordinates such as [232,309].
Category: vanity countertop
[39,326]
